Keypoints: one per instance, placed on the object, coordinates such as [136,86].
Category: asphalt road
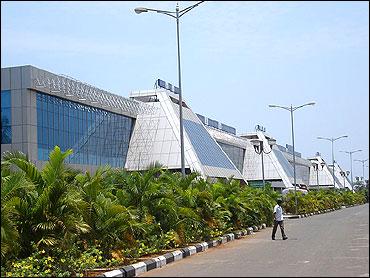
[324,245]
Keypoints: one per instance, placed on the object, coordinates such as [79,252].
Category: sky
[236,59]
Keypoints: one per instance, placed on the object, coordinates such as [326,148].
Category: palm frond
[20,160]
[54,169]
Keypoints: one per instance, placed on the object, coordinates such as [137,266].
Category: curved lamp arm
[140,10]
[278,106]
[310,103]
[267,152]
[344,136]
[271,142]
[184,11]
[324,138]
[257,145]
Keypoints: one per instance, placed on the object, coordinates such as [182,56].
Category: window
[208,152]
[6,117]
[235,154]
[92,133]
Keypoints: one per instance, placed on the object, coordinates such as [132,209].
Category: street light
[332,150]
[363,166]
[177,14]
[292,109]
[344,174]
[350,157]
[259,149]
[316,168]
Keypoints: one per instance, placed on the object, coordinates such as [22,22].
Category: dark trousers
[281,224]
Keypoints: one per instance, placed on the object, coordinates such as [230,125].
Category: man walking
[278,220]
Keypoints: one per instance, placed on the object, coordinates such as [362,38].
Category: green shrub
[38,264]
[59,263]
[321,200]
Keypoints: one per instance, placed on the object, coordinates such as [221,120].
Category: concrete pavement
[330,244]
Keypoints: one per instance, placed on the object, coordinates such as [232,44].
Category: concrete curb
[157,262]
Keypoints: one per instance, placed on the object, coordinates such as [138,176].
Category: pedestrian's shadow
[286,239]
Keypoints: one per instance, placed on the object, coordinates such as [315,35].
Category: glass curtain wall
[6,118]
[209,153]
[236,154]
[96,136]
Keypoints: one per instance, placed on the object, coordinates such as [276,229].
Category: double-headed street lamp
[292,109]
[259,149]
[177,14]
[344,174]
[332,150]
[315,166]
[363,166]
[350,157]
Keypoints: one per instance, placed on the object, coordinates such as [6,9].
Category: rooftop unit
[215,124]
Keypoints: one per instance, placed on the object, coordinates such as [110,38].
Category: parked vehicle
[291,189]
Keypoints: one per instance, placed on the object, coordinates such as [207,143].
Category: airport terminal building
[40,109]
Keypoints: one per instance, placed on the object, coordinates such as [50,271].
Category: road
[330,244]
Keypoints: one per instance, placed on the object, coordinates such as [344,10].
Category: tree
[51,215]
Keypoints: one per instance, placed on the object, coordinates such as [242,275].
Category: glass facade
[97,137]
[236,154]
[6,117]
[288,168]
[208,152]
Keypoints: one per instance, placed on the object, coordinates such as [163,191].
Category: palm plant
[15,189]
[53,216]
[226,192]
[260,204]
[90,188]
[111,222]
[190,224]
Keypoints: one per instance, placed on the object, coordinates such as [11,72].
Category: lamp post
[259,149]
[363,166]
[316,168]
[350,157]
[344,174]
[332,150]
[292,109]
[176,14]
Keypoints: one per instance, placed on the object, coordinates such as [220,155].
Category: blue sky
[236,59]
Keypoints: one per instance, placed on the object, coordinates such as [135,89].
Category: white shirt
[278,210]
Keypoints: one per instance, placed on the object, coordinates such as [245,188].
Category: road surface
[331,244]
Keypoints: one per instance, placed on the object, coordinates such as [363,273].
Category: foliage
[14,189]
[59,263]
[322,199]
[58,221]
[49,212]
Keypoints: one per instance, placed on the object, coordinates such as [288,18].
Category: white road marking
[303,262]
